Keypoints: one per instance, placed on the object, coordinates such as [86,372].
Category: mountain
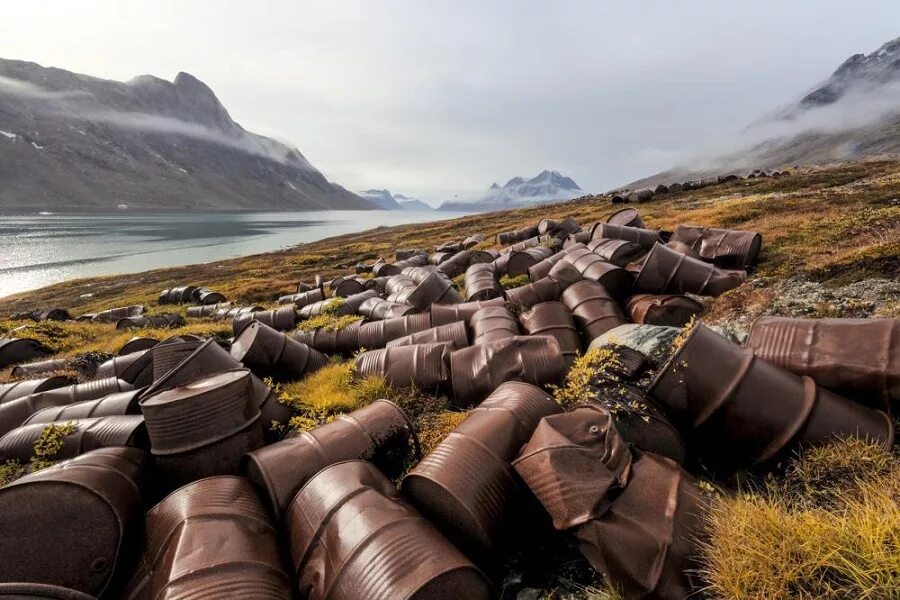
[407,203]
[381,198]
[70,141]
[547,186]
[854,113]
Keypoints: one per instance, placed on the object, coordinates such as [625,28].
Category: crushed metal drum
[142,322]
[553,319]
[20,389]
[353,536]
[511,237]
[136,344]
[744,410]
[88,434]
[330,341]
[19,350]
[121,403]
[380,433]
[595,311]
[482,283]
[466,485]
[673,310]
[136,368]
[541,269]
[442,314]
[39,368]
[377,309]
[301,299]
[203,428]
[857,358]
[270,353]
[724,247]
[493,323]
[477,370]
[114,314]
[378,333]
[455,334]
[617,252]
[667,271]
[615,279]
[282,319]
[210,539]
[645,238]
[457,264]
[104,490]
[423,366]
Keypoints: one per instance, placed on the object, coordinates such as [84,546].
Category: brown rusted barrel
[39,368]
[475,371]
[229,314]
[42,314]
[725,247]
[423,365]
[526,296]
[96,388]
[558,229]
[377,309]
[417,260]
[342,287]
[745,410]
[114,314]
[380,433]
[472,240]
[68,525]
[209,297]
[391,554]
[378,333]
[88,434]
[482,283]
[158,321]
[19,350]
[617,252]
[20,389]
[449,313]
[554,319]
[615,279]
[457,264]
[511,237]
[466,485]
[858,358]
[270,353]
[178,295]
[121,403]
[301,299]
[541,269]
[493,323]
[484,255]
[136,368]
[330,341]
[674,310]
[455,334]
[205,427]
[595,311]
[136,344]
[407,253]
[169,353]
[206,310]
[683,248]
[564,274]
[282,319]
[207,540]
[436,288]
[643,237]
[667,271]
[382,268]
[451,247]
[579,237]
[439,257]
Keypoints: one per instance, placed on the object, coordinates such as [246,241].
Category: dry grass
[830,530]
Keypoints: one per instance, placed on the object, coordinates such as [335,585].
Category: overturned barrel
[482,283]
[270,353]
[455,334]
[627,217]
[728,248]
[39,368]
[525,296]
[595,311]
[380,433]
[674,310]
[20,389]
[121,403]
[423,366]
[378,333]
[391,554]
[76,437]
[668,271]
[553,319]
[344,340]
[210,539]
[493,323]
[441,314]
[282,319]
[19,350]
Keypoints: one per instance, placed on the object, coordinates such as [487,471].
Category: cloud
[26,89]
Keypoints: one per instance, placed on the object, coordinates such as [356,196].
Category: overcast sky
[440,98]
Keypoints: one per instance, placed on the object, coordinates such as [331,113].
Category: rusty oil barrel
[136,344]
[88,434]
[378,333]
[407,253]
[482,283]
[436,288]
[19,350]
[301,299]
[20,389]
[553,319]
[439,257]
[744,410]
[558,229]
[391,554]
[729,248]
[39,368]
[645,238]
[667,271]
[579,237]
[380,433]
[170,353]
[525,296]
[595,311]
[203,428]
[40,591]
[451,247]
[564,274]
[206,310]
[466,485]
[121,403]
[377,309]
[270,353]
[674,310]
[541,269]
[442,314]
[627,217]
[617,252]
[493,323]
[343,287]
[103,490]
[330,341]
[511,237]
[472,240]
[159,321]
[615,279]
[477,370]
[457,264]
[423,366]
[484,255]
[136,368]
[857,358]
[282,319]
[207,540]
[114,314]
[455,334]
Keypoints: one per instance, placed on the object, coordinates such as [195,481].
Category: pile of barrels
[172,481]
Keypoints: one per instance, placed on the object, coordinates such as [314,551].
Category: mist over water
[42,249]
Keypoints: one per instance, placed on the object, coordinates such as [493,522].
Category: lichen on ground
[48,443]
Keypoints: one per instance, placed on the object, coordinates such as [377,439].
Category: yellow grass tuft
[328,322]
[507,282]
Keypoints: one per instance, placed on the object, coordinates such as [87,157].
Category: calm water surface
[41,249]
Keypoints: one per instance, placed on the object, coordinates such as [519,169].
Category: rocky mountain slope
[388,201]
[547,186]
[407,203]
[854,113]
[70,141]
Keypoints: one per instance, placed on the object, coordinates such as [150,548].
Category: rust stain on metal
[493,323]
[270,353]
[593,308]
[724,247]
[422,365]
[89,434]
[667,271]
[673,310]
[553,319]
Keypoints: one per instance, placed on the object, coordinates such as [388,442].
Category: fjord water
[41,249]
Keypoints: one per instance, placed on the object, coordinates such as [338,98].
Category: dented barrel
[728,248]
[330,341]
[270,353]
[492,323]
[595,311]
[19,350]
[441,314]
[282,319]
[423,366]
[378,333]
[482,283]
[667,271]
[673,310]
[87,434]
[553,319]
[455,334]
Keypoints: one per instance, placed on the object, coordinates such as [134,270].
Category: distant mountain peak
[546,186]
